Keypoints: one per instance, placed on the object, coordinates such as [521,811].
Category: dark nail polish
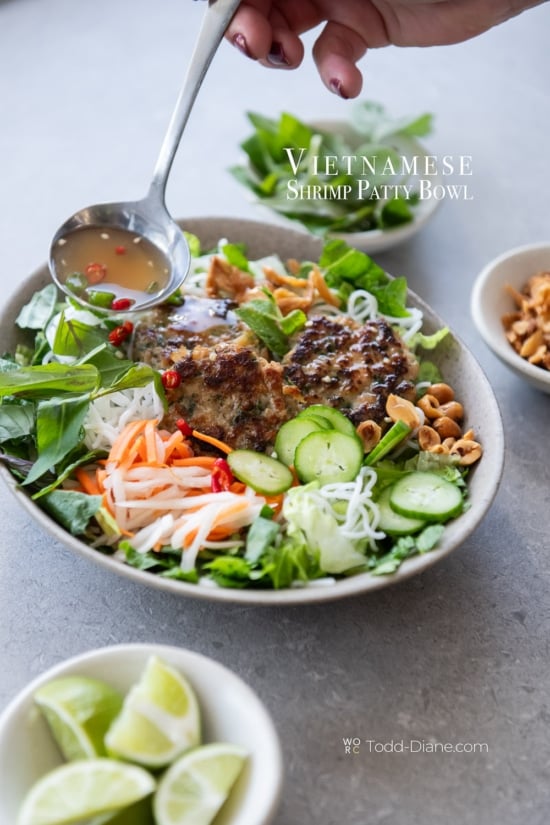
[240,43]
[335,86]
[277,55]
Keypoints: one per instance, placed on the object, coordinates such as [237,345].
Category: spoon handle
[216,20]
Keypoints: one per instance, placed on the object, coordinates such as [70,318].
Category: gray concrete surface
[458,655]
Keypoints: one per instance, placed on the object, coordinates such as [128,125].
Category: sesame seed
[62,242]
[105,236]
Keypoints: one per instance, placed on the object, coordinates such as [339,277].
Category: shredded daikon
[108,415]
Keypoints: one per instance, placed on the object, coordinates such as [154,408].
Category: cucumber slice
[393,523]
[328,457]
[336,419]
[321,420]
[261,472]
[426,496]
[290,435]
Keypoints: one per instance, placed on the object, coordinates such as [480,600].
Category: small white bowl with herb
[138,734]
[369,180]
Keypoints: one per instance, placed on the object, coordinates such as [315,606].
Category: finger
[286,50]
[269,40]
[336,51]
[250,31]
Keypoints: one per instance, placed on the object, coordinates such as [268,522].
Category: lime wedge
[139,814]
[160,718]
[84,790]
[79,712]
[194,788]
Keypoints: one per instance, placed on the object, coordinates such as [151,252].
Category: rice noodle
[363,307]
[362,516]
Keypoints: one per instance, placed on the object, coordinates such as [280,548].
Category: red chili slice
[184,427]
[170,379]
[222,477]
[95,273]
[120,304]
[120,250]
[118,335]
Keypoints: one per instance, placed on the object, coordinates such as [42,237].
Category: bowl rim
[355,585]
[189,662]
[480,302]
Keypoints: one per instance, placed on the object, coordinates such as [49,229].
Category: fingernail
[241,44]
[277,55]
[335,86]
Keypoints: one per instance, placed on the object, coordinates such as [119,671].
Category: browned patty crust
[232,391]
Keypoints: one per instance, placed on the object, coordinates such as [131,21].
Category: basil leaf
[58,431]
[48,378]
[39,310]
[16,421]
[66,469]
[75,338]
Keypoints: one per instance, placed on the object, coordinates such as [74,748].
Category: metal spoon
[149,218]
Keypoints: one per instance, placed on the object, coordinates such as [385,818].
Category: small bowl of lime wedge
[139,734]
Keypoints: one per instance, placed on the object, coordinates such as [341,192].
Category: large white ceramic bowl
[490,301]
[457,365]
[231,712]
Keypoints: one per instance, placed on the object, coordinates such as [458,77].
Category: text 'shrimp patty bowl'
[493,302]
[311,533]
[369,180]
[229,712]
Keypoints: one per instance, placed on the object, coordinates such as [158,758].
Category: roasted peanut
[528,329]
[453,410]
[442,392]
[369,432]
[469,451]
[428,438]
[399,409]
[447,427]
[430,406]
[531,344]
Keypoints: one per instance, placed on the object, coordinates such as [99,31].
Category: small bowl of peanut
[510,307]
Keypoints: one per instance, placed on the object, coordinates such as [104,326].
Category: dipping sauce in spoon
[110,267]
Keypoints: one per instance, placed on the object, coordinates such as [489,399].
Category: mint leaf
[71,509]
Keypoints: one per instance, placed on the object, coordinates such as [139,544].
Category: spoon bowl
[147,219]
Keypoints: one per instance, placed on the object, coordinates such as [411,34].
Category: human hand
[269,30]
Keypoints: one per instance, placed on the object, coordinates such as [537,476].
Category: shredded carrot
[275,502]
[151,442]
[128,434]
[159,493]
[206,461]
[87,482]
[215,442]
